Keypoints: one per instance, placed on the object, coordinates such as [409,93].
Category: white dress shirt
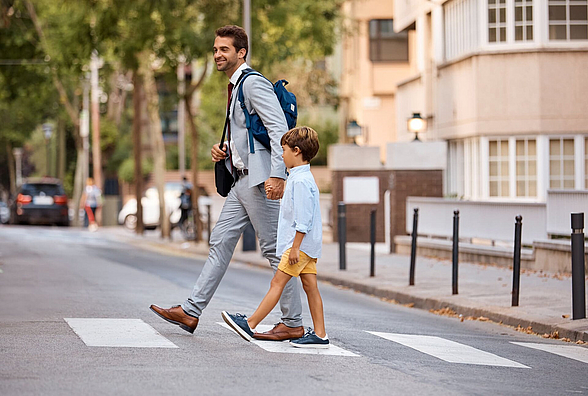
[300,211]
[237,161]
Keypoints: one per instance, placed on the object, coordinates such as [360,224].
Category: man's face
[226,56]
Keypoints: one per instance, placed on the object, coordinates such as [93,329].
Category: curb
[399,297]
[435,304]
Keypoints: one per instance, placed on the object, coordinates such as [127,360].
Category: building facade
[504,83]
[375,57]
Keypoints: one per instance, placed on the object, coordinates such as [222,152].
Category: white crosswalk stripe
[449,351]
[285,347]
[129,333]
[568,351]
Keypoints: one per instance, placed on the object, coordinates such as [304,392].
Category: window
[561,163]
[568,20]
[496,21]
[461,27]
[526,165]
[385,44]
[523,20]
[499,174]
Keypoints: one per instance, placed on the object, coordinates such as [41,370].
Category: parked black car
[40,201]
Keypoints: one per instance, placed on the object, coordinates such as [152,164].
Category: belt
[242,172]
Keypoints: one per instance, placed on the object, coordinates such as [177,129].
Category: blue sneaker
[310,340]
[238,322]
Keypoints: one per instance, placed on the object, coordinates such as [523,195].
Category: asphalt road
[53,274]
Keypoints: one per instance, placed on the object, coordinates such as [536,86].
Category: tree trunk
[137,149]
[194,164]
[72,111]
[61,149]
[11,168]
[78,181]
[195,147]
[156,137]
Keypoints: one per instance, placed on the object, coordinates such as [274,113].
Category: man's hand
[274,188]
[217,153]
[294,256]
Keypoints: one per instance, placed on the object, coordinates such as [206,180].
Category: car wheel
[130,222]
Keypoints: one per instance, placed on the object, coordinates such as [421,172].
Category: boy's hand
[294,256]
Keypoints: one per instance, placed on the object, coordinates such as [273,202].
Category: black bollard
[208,221]
[516,265]
[373,242]
[455,251]
[342,228]
[413,248]
[249,239]
[578,267]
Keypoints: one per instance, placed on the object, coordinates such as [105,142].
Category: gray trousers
[243,205]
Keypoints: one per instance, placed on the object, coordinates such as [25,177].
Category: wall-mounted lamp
[416,124]
[353,129]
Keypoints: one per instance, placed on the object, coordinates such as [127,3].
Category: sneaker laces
[239,315]
[309,332]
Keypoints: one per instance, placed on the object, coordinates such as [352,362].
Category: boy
[299,241]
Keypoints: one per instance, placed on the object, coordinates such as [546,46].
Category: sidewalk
[484,291]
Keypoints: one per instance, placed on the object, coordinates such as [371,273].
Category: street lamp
[353,130]
[48,131]
[416,124]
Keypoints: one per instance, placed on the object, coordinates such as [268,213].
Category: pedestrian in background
[254,197]
[300,237]
[92,200]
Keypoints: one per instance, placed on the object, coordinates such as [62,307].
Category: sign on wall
[361,190]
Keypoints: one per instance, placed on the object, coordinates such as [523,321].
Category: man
[247,202]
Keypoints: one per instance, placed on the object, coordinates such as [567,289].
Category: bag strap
[241,97]
[243,75]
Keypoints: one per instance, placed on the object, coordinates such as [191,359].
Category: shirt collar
[237,73]
[300,169]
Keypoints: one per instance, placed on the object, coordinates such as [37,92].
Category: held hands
[274,188]
[294,256]
[217,153]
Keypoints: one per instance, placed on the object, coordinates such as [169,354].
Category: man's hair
[303,137]
[238,34]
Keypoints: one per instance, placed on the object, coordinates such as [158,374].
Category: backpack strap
[241,97]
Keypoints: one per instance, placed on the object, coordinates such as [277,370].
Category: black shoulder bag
[222,176]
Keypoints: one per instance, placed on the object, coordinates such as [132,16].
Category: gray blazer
[261,99]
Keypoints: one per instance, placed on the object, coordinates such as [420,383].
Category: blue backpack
[254,124]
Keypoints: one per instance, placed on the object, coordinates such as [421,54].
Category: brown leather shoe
[177,316]
[280,332]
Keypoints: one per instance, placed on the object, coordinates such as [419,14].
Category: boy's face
[291,156]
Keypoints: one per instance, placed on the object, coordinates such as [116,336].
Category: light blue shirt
[300,211]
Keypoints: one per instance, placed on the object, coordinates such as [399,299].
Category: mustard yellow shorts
[305,265]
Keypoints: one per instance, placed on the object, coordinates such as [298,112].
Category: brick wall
[415,183]
[401,183]
[358,215]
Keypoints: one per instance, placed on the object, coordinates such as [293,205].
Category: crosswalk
[449,351]
[134,333]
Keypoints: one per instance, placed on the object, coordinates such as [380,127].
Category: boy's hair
[238,34]
[303,137]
